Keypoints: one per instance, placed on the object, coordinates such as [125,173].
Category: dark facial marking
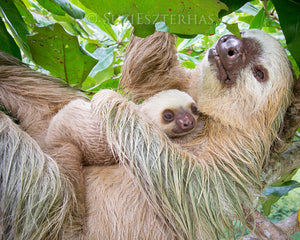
[260,73]
[194,109]
[168,116]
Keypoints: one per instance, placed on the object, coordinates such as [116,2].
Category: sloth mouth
[223,75]
[179,132]
[229,57]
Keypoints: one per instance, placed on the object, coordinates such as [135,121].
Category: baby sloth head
[173,111]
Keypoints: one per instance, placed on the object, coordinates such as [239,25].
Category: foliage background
[83,42]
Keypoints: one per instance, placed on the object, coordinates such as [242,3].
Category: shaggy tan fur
[128,214]
[31,97]
[165,190]
[152,66]
[35,198]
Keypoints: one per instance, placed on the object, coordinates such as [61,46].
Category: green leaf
[52,7]
[60,7]
[288,13]
[104,74]
[246,19]
[189,42]
[15,24]
[71,9]
[261,17]
[106,58]
[70,24]
[90,47]
[7,43]
[285,178]
[182,17]
[89,84]
[274,193]
[258,20]
[101,22]
[267,204]
[279,191]
[60,53]
[143,30]
[232,6]
[105,27]
[234,29]
[24,12]
[111,84]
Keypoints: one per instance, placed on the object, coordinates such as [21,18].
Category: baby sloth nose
[230,49]
[186,122]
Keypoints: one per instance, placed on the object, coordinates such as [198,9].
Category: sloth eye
[194,109]
[168,115]
[260,73]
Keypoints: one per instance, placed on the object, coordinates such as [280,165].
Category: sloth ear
[151,65]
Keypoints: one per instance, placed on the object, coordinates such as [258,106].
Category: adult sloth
[165,190]
[243,86]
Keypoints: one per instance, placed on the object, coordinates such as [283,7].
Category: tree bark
[265,229]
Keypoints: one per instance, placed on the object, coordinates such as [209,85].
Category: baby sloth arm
[76,125]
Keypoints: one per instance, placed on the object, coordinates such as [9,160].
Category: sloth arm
[151,65]
[192,190]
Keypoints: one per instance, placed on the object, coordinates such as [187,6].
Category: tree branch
[265,229]
[290,225]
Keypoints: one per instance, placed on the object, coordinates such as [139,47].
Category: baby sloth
[76,138]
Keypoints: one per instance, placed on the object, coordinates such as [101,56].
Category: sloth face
[179,119]
[232,54]
[240,78]
[173,111]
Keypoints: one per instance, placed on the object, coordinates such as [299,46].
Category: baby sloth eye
[260,73]
[168,115]
[194,109]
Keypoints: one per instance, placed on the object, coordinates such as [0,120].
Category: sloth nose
[186,122]
[230,49]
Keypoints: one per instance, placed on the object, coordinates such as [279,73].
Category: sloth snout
[186,122]
[230,50]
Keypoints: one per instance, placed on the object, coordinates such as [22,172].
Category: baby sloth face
[173,111]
